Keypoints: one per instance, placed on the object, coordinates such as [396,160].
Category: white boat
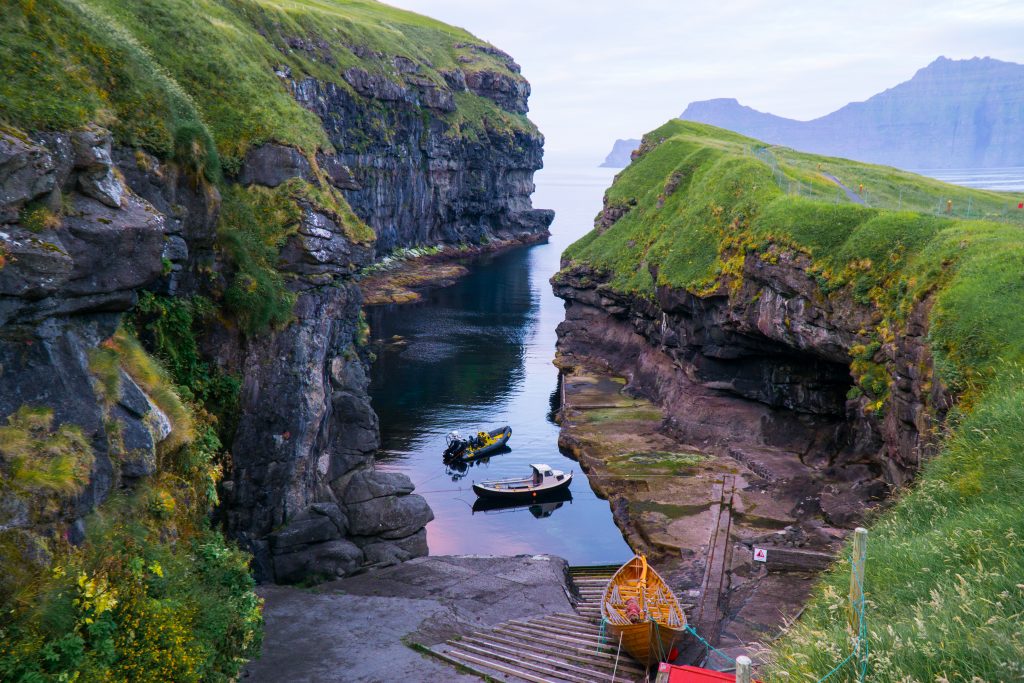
[543,482]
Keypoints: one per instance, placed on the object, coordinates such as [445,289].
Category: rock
[27,171]
[339,174]
[509,93]
[302,532]
[91,149]
[271,164]
[373,86]
[369,484]
[329,560]
[387,553]
[389,517]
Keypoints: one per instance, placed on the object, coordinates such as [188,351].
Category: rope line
[860,641]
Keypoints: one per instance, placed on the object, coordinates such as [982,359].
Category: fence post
[860,553]
[743,669]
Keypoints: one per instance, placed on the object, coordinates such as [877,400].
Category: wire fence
[825,186]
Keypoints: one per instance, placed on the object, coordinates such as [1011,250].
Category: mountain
[951,114]
[620,154]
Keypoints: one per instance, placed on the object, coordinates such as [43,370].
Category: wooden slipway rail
[557,648]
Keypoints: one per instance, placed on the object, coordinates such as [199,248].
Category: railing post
[743,669]
[860,554]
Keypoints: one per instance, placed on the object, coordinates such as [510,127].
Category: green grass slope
[945,573]
[156,72]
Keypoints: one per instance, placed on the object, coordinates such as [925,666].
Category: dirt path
[850,194]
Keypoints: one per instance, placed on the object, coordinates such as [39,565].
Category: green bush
[254,225]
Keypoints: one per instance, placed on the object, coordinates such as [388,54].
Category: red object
[694,674]
[1021,205]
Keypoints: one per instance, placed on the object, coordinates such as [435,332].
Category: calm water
[479,355]
[1009,179]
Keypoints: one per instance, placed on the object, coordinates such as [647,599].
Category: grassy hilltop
[945,573]
[162,74]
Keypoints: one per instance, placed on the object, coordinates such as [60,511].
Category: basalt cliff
[871,347]
[196,193]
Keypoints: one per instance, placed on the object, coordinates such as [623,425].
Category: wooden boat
[483,444]
[543,482]
[639,608]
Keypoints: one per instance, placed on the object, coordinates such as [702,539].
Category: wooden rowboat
[639,608]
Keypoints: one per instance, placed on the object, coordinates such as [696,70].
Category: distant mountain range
[619,157]
[951,114]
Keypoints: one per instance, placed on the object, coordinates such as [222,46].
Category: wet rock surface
[362,628]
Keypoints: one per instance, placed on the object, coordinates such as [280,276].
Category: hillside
[757,271]
[951,114]
[189,194]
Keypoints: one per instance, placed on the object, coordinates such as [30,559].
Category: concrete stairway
[557,648]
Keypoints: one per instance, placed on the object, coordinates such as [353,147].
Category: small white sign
[760,554]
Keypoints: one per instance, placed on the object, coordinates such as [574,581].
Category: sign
[760,554]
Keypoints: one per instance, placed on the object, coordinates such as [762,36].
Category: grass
[164,75]
[652,462]
[945,572]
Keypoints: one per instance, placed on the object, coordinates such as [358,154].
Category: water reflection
[540,509]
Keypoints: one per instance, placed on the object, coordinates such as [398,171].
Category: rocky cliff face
[63,286]
[88,223]
[764,363]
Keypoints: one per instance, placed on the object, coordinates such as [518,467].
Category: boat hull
[502,436]
[658,622]
[523,495]
[647,642]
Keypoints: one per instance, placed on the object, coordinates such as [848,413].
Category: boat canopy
[543,470]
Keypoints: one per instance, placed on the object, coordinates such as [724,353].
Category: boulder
[386,553]
[304,532]
[369,484]
[329,560]
[27,171]
[271,164]
[389,517]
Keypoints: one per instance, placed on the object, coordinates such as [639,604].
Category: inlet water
[478,354]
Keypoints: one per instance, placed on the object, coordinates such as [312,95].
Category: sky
[604,69]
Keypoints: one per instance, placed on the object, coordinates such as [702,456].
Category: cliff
[732,283]
[209,181]
[951,114]
[621,153]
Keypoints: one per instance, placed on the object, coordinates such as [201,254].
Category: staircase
[557,648]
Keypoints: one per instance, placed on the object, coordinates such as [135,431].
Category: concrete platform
[365,628]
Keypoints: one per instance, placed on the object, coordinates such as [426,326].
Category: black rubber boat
[478,446]
[543,481]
